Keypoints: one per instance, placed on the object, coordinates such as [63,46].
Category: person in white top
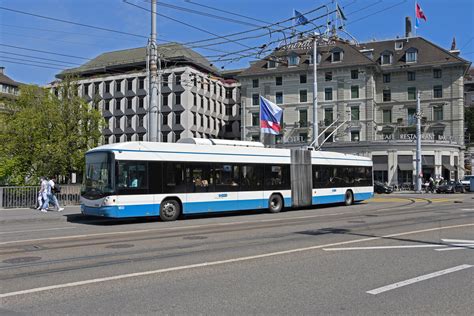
[40,194]
[51,196]
[44,194]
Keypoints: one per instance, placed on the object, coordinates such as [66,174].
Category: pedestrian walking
[44,194]
[54,188]
[40,194]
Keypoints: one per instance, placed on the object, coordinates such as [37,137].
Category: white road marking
[468,209]
[36,230]
[418,279]
[214,263]
[384,247]
[458,241]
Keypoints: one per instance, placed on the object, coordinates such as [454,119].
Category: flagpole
[414,20]
[315,92]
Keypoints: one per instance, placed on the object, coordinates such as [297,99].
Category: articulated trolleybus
[193,176]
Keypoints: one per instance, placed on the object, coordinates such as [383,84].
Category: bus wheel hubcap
[169,209]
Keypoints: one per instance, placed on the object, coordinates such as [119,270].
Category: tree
[46,134]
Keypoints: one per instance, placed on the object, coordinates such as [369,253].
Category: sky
[22,37]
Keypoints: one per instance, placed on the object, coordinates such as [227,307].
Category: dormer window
[386,58]
[271,64]
[311,58]
[411,55]
[293,59]
[398,45]
[336,55]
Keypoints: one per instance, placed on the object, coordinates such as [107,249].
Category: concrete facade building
[371,88]
[196,101]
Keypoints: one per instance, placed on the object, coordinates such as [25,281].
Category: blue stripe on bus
[205,207]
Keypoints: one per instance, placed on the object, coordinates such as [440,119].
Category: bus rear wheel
[348,198]
[169,210]
[275,203]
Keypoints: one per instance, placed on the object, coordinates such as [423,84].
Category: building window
[141,83]
[214,86]
[279,81]
[355,74]
[118,85]
[107,87]
[228,93]
[279,97]
[228,110]
[293,60]
[411,55]
[328,94]
[437,73]
[177,98]
[255,119]
[129,137]
[177,80]
[140,120]
[177,118]
[354,92]
[386,78]
[328,116]
[303,95]
[328,76]
[438,113]
[141,102]
[128,121]
[129,103]
[303,118]
[117,122]
[355,136]
[194,119]
[355,113]
[165,80]
[387,116]
[271,64]
[255,83]
[437,91]
[411,76]
[164,118]
[336,56]
[177,136]
[411,93]
[386,59]
[303,79]
[107,105]
[411,116]
[194,99]
[118,104]
[129,84]
[165,98]
[387,95]
[255,99]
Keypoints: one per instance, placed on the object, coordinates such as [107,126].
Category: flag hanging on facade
[419,14]
[340,13]
[270,117]
[299,19]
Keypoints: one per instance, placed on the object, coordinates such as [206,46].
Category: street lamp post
[418,144]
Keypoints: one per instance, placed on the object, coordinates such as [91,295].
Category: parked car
[379,187]
[451,187]
[466,182]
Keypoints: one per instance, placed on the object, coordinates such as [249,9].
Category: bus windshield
[98,178]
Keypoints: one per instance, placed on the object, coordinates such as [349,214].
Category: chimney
[453,49]
[2,70]
[408,27]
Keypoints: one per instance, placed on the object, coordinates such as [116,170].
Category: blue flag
[299,19]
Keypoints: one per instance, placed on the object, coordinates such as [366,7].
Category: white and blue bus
[193,176]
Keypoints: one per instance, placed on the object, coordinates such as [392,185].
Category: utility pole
[154,126]
[315,92]
[418,144]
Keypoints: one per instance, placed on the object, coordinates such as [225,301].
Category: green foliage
[47,135]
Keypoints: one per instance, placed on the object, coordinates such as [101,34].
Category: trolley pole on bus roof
[418,144]
[153,100]
[315,93]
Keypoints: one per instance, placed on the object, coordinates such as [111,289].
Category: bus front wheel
[275,203]
[348,198]
[169,210]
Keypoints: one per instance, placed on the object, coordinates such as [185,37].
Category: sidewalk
[19,215]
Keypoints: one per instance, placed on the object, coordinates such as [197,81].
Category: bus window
[226,177]
[174,180]
[198,177]
[277,177]
[251,177]
[132,175]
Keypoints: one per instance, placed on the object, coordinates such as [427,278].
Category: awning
[405,166]
[449,167]
[380,167]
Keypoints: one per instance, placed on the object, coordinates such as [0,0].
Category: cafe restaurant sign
[426,136]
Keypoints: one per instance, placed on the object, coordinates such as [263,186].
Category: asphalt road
[396,254]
